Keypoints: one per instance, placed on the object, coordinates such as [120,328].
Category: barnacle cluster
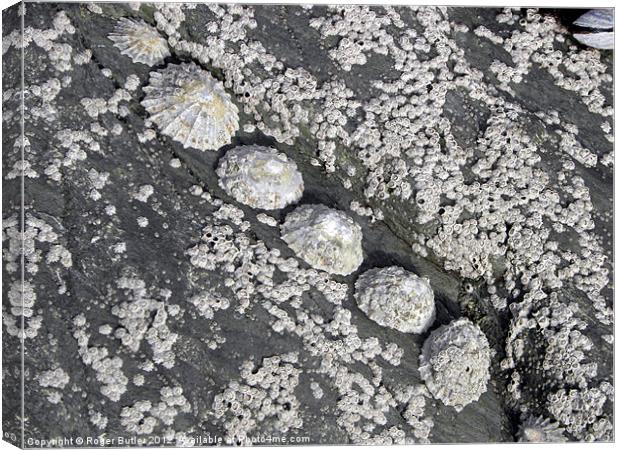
[246,403]
[260,177]
[191,106]
[396,298]
[143,416]
[139,41]
[455,363]
[325,238]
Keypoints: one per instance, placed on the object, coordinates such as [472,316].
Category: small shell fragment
[260,177]
[139,41]
[191,106]
[326,238]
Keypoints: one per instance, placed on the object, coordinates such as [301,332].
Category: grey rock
[156,253]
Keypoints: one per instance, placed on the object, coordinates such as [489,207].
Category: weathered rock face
[472,146]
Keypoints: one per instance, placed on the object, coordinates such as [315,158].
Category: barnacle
[140,41]
[455,362]
[260,177]
[396,298]
[191,106]
[539,429]
[325,238]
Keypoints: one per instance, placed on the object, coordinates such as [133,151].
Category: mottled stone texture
[11,205]
[156,254]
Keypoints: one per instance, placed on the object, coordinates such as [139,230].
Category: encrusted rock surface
[154,305]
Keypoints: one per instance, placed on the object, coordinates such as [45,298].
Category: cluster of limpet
[455,362]
[140,41]
[396,298]
[260,177]
[325,238]
[191,106]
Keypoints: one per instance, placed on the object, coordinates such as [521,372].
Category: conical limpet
[396,298]
[455,362]
[539,429]
[325,238]
[140,41]
[260,177]
[191,106]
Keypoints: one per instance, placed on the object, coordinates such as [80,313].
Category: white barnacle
[260,177]
[455,362]
[139,41]
[539,429]
[191,106]
[396,298]
[325,238]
